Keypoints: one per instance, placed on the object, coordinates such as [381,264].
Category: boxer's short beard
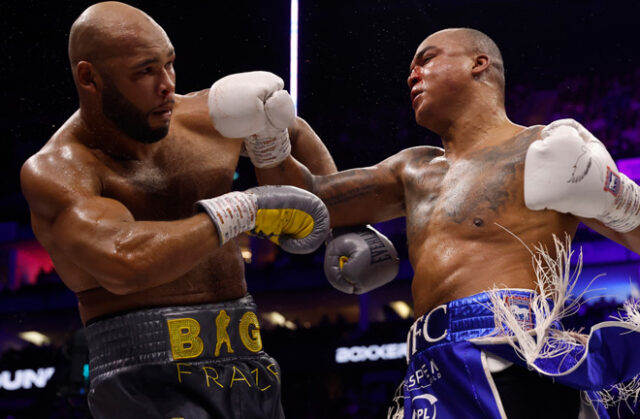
[127,117]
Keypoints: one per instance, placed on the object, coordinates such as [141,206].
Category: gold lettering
[215,379]
[183,334]
[272,371]
[251,340]
[222,322]
[233,378]
[182,364]
[258,385]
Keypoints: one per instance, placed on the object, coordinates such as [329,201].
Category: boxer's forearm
[151,253]
[630,240]
[310,156]
[288,172]
[127,256]
[308,149]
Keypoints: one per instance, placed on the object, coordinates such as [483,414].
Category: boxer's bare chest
[467,196]
[184,169]
[166,185]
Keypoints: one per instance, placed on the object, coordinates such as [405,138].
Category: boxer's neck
[476,128]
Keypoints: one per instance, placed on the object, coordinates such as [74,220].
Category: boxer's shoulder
[529,135]
[418,157]
[191,124]
[423,152]
[57,174]
[61,157]
[191,112]
[63,165]
[194,101]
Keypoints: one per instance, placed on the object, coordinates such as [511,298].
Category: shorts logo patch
[521,310]
[424,406]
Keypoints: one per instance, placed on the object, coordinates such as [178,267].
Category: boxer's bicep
[362,196]
[67,212]
[88,232]
[68,216]
[353,197]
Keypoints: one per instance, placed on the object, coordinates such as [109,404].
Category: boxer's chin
[139,129]
[153,135]
[129,119]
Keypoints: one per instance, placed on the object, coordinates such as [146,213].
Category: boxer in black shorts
[112,197]
[190,361]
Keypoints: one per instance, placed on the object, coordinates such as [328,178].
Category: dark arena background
[342,356]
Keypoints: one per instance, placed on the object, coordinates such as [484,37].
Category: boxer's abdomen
[449,268]
[219,278]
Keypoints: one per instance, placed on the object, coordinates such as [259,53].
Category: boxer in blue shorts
[474,210]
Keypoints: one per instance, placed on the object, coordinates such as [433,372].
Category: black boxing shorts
[190,362]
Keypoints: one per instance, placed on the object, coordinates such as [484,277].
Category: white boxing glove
[255,107]
[570,171]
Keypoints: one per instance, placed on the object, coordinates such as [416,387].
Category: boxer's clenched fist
[295,219]
[255,107]
[360,259]
[570,171]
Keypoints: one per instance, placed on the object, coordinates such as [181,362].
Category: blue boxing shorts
[460,367]
[194,362]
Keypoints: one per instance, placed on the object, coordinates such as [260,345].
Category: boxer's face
[439,73]
[139,88]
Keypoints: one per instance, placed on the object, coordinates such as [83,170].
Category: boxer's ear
[86,75]
[480,65]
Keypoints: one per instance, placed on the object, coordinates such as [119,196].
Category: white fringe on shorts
[545,337]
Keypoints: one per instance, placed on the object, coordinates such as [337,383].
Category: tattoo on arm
[343,186]
[346,195]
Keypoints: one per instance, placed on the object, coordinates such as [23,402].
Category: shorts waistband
[160,335]
[464,319]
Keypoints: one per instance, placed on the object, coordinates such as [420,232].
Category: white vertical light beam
[293,58]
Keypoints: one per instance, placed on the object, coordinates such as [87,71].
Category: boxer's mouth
[415,94]
[164,110]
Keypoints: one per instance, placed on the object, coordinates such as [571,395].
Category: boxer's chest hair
[166,187]
[473,192]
